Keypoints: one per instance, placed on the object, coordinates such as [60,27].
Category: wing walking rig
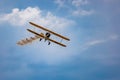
[41,36]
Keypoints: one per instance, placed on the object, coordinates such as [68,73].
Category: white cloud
[20,17]
[95,42]
[81,12]
[114,37]
[54,21]
[75,7]
[109,1]
[78,3]
[99,41]
[91,44]
[60,2]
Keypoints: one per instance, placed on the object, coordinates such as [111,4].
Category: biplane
[42,36]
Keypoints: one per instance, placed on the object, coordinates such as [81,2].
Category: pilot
[47,35]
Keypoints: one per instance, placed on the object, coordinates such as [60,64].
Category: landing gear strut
[40,39]
[48,43]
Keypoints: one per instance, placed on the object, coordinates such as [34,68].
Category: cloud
[114,37]
[99,41]
[21,17]
[81,12]
[110,1]
[75,7]
[94,42]
[108,58]
[60,2]
[91,44]
[78,3]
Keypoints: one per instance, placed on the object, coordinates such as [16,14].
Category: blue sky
[91,54]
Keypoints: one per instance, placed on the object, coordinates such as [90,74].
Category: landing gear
[40,39]
[48,43]
[47,35]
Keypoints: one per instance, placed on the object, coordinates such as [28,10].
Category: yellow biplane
[41,36]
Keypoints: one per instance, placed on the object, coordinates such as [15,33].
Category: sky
[91,54]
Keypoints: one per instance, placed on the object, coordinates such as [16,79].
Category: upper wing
[49,31]
[48,38]
[27,40]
